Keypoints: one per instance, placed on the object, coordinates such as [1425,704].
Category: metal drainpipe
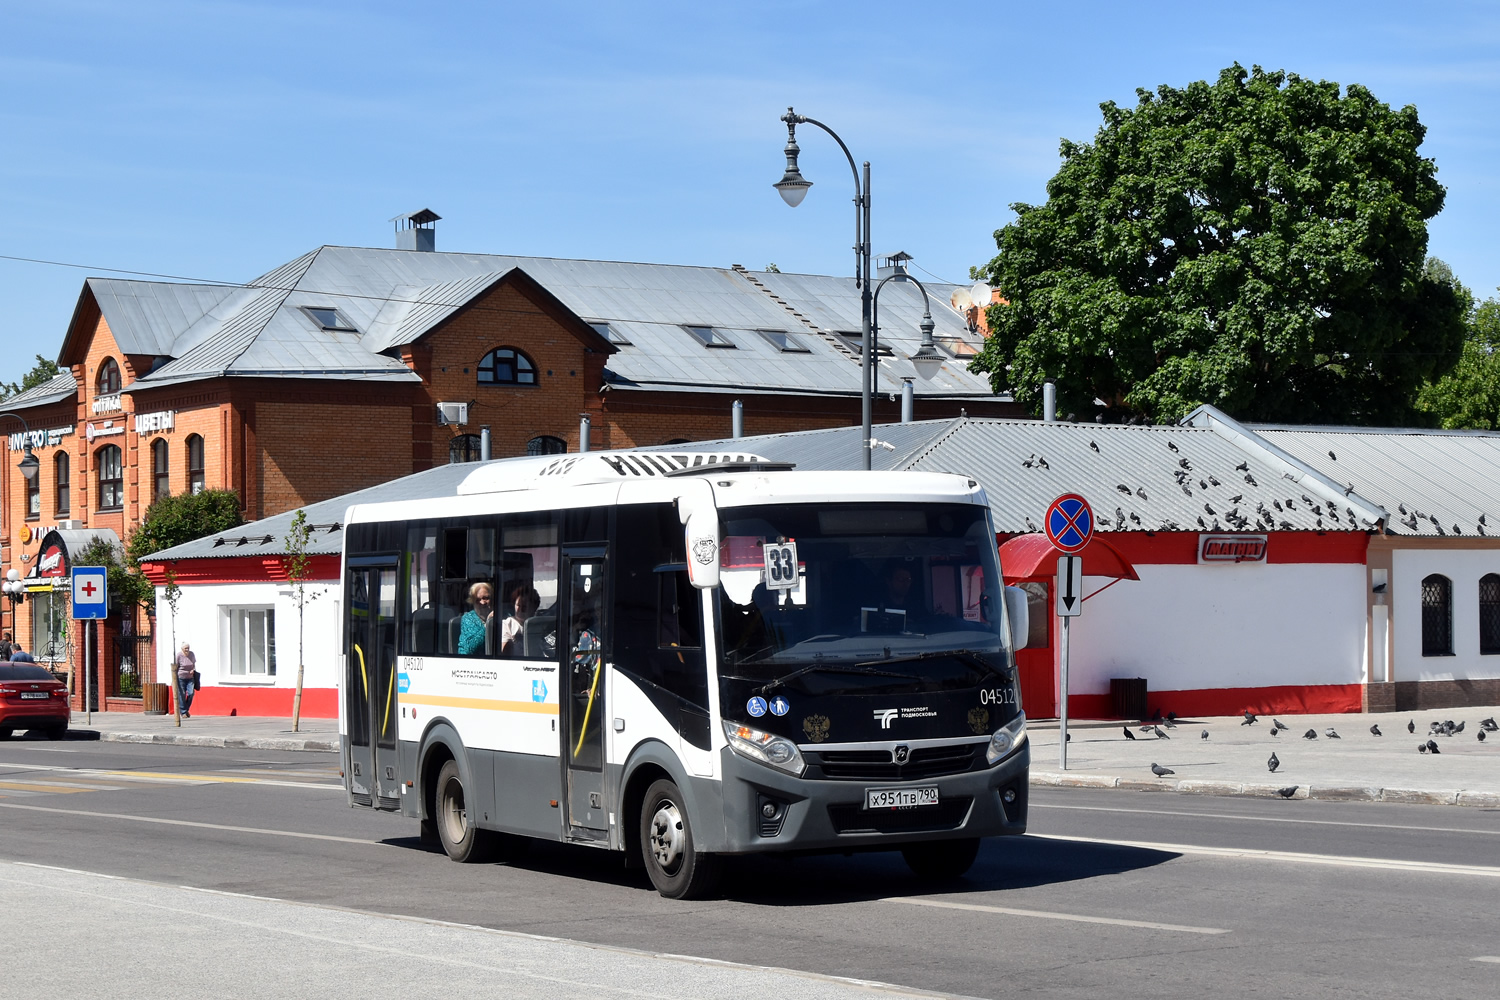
[584,424]
[737,420]
[484,442]
[1049,402]
[908,401]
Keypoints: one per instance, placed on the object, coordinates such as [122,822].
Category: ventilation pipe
[584,425]
[1049,402]
[737,420]
[908,401]
[484,442]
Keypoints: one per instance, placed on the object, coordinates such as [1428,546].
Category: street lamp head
[926,360]
[793,186]
[28,465]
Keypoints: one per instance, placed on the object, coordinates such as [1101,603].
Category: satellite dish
[980,295]
[960,300]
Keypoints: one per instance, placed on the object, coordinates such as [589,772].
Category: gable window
[506,366]
[545,444]
[609,333]
[1437,616]
[195,463]
[109,377]
[111,477]
[1489,613]
[60,473]
[464,448]
[161,480]
[784,342]
[329,318]
[709,337]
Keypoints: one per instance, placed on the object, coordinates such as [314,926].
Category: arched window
[109,377]
[1437,616]
[111,477]
[60,473]
[506,366]
[195,463]
[545,444]
[1489,613]
[161,478]
[464,448]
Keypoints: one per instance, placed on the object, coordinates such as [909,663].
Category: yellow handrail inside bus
[390,698]
[593,690]
[364,678]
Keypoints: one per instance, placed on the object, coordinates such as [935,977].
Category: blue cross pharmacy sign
[1070,522]
[90,592]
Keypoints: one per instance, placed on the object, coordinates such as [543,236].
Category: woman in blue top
[471,630]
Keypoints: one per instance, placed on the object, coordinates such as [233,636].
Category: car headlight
[1006,739]
[766,748]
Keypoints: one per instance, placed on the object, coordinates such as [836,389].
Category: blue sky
[217,140]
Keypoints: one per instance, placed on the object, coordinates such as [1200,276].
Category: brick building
[349,367]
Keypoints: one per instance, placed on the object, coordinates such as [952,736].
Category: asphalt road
[1169,895]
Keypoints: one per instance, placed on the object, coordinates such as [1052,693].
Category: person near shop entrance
[187,671]
[19,655]
[6,647]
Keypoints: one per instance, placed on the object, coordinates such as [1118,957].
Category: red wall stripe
[239,569]
[1204,702]
[1180,548]
[317,703]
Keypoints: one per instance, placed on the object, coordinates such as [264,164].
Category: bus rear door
[370,688]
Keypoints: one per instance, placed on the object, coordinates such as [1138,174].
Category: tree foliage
[1468,397]
[1257,243]
[127,587]
[183,518]
[43,371]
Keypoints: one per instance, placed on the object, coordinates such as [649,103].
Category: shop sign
[107,404]
[52,562]
[49,438]
[1231,548]
[108,430]
[151,423]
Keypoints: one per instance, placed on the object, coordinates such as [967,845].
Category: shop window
[464,448]
[111,493]
[506,366]
[109,377]
[545,444]
[34,496]
[1437,616]
[195,463]
[60,464]
[1489,613]
[251,640]
[161,480]
[49,626]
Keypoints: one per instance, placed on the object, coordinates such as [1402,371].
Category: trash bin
[1127,697]
[156,698]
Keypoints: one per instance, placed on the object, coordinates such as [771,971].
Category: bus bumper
[827,815]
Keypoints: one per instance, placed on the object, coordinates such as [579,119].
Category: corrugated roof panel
[146,317]
[59,387]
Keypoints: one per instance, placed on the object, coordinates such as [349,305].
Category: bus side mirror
[1020,616]
[700,519]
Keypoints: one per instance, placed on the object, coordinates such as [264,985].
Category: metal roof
[59,387]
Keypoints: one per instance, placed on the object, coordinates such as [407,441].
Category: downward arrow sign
[1068,597]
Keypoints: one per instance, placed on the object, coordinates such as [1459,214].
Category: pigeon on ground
[1172,446]
[1123,488]
[1411,726]
[1332,734]
[1251,479]
[1147,728]
[1128,734]
[1161,772]
[1043,463]
[1204,735]
[1275,731]
[1333,456]
[1311,734]
[1171,724]
[1432,747]
[1242,467]
[1160,733]
[1250,718]
[1375,730]
[1274,762]
[1093,446]
[1480,734]
[1278,724]
[1288,791]
[1171,716]
[1421,748]
[1488,724]
[1459,728]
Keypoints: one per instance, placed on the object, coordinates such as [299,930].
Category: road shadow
[585,864]
[40,736]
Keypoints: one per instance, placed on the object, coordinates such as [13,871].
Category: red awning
[1032,557]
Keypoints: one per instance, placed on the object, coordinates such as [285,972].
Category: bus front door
[582,700]
[370,688]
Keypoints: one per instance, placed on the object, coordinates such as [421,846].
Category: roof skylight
[784,342]
[609,333]
[329,318]
[855,342]
[709,337]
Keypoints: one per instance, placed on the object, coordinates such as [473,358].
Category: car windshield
[852,586]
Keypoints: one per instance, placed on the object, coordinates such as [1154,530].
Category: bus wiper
[833,668]
[972,657]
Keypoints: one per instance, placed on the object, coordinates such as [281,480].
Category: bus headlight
[1006,739]
[765,748]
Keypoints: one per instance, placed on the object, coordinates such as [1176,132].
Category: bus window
[529,564]
[658,621]
[421,633]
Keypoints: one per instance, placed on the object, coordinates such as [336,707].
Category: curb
[1331,793]
[233,742]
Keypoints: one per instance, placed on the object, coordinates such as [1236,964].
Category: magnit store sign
[1231,548]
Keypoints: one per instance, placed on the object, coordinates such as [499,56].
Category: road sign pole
[88,673]
[1062,741]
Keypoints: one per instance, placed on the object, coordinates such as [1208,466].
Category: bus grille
[877,765]
[948,815]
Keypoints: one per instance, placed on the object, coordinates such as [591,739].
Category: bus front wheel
[676,866]
[462,840]
[941,860]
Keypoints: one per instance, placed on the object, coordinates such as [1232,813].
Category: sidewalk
[1234,759]
[248,732]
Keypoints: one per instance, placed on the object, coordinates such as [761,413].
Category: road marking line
[1049,915]
[171,778]
[47,788]
[1263,819]
[1486,958]
[191,823]
[1293,857]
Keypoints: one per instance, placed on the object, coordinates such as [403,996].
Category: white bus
[686,656]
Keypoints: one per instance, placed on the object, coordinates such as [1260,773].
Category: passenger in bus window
[472,625]
[524,602]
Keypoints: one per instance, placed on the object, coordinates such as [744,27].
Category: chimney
[414,230]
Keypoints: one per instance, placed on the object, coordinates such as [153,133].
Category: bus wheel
[941,860]
[676,866]
[462,840]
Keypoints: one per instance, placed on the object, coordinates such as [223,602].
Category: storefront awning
[1033,557]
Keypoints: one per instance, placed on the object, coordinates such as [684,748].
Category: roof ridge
[926,448]
[836,341]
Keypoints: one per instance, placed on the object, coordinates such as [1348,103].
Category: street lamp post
[29,467]
[793,188]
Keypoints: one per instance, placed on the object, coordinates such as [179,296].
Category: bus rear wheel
[941,860]
[462,840]
[677,868]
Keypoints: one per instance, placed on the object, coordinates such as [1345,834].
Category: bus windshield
[876,588]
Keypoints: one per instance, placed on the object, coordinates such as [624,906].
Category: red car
[31,698]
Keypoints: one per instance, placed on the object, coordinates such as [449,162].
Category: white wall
[1463,568]
[1185,627]
[201,622]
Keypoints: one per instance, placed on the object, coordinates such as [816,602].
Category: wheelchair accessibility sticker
[538,689]
[756,706]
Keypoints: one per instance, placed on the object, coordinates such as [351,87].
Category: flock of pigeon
[1445,728]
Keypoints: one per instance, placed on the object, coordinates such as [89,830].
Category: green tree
[43,371]
[1257,243]
[297,562]
[183,518]
[127,587]
[1468,397]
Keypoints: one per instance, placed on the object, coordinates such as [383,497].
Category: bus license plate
[900,798]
